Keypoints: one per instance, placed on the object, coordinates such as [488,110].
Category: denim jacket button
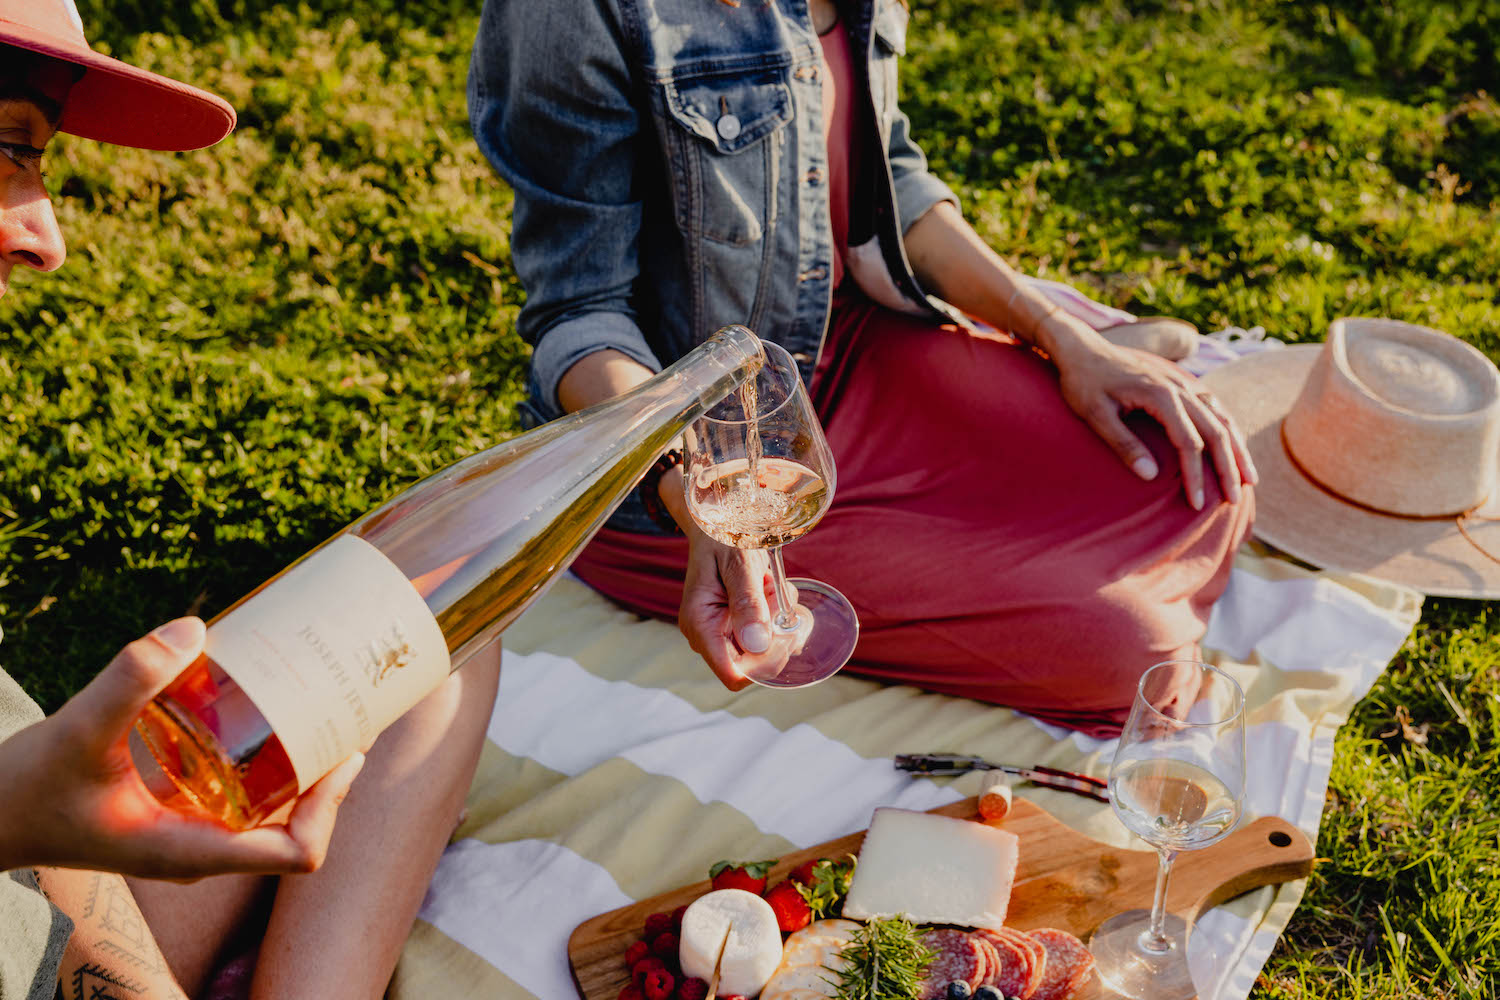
[728,126]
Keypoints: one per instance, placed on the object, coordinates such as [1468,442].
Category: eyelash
[22,156]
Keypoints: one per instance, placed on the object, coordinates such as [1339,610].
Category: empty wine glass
[1177,782]
[759,473]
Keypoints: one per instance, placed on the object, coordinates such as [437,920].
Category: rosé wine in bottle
[317,661]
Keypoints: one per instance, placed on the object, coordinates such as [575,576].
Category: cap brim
[117,103]
[1300,518]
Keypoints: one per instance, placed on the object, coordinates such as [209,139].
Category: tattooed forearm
[94,982]
[121,929]
[112,955]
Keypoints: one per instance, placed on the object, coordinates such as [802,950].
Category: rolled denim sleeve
[571,340]
[549,103]
[917,188]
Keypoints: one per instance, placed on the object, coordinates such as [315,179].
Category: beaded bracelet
[650,490]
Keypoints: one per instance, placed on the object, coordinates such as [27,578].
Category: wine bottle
[313,664]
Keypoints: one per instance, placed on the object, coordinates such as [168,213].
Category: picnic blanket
[617,768]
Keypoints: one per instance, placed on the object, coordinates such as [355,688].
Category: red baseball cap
[113,102]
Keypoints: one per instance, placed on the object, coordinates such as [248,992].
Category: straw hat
[113,101]
[1378,452]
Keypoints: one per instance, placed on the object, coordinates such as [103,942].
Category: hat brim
[117,103]
[1302,519]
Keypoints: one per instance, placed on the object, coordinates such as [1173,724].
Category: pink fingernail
[755,638]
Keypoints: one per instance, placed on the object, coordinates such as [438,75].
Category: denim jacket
[668,164]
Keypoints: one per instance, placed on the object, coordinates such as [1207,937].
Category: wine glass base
[1128,966]
[824,639]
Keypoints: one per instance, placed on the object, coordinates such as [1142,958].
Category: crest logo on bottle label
[386,653]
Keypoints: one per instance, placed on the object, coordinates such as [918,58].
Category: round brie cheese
[753,947]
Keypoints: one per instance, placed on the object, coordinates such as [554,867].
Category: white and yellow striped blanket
[617,768]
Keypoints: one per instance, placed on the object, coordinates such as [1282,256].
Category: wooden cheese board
[1064,879]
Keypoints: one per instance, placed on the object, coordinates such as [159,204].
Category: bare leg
[339,931]
[200,925]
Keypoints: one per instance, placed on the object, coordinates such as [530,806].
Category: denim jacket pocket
[725,126]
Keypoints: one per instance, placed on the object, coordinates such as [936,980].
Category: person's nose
[29,234]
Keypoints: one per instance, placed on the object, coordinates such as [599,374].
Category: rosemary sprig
[884,960]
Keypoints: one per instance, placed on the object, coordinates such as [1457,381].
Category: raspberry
[791,909]
[658,985]
[656,924]
[643,968]
[677,919]
[664,947]
[692,989]
[635,953]
[630,993]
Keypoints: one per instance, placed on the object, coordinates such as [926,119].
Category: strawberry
[630,993]
[664,947]
[659,985]
[747,875]
[640,970]
[789,905]
[656,924]
[803,873]
[692,989]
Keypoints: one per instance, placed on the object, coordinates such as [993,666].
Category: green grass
[251,345]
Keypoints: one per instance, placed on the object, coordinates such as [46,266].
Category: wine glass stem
[1155,939]
[785,617]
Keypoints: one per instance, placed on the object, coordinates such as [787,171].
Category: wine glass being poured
[1177,782]
[760,474]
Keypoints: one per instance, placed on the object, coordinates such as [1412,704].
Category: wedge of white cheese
[753,947]
[934,870]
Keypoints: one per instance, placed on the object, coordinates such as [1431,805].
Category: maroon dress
[991,542]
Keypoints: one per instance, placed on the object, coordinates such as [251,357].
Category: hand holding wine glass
[759,473]
[1177,782]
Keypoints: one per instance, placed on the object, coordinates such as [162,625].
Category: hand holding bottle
[326,655]
[73,798]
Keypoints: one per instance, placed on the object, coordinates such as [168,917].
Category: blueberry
[988,993]
[958,990]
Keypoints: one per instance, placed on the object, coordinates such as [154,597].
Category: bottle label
[332,652]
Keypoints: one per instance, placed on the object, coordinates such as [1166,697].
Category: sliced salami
[989,958]
[958,958]
[1069,964]
[1013,966]
[1036,959]
[1037,956]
